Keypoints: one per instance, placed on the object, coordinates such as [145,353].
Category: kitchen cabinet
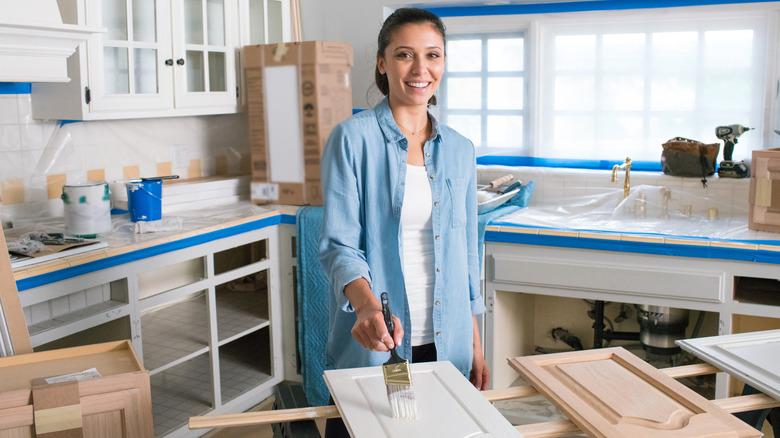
[159,58]
[527,296]
[206,319]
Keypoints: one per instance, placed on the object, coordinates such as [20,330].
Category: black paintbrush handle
[386,313]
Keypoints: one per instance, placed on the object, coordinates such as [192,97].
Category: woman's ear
[380,65]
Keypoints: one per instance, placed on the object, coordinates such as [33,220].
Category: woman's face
[413,63]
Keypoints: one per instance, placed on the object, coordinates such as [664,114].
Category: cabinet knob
[169,62]
[180,61]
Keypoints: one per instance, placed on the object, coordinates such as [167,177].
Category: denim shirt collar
[390,128]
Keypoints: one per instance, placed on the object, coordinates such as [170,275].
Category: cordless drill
[728,168]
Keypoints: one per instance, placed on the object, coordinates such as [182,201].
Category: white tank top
[417,255]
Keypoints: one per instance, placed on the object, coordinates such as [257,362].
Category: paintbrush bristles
[402,401]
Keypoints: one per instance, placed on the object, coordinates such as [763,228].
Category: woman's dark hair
[397,19]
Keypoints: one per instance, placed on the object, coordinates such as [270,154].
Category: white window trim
[533,26]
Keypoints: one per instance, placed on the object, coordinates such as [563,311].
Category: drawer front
[625,280]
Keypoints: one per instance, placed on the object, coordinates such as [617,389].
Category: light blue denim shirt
[363,174]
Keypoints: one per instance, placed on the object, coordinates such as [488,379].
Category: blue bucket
[144,199]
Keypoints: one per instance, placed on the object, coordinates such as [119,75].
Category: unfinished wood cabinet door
[613,393]
[113,414]
[16,422]
[752,357]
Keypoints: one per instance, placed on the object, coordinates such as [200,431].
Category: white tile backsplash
[31,149]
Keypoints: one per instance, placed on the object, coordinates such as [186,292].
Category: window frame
[484,74]
[533,26]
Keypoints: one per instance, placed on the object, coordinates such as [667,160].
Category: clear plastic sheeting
[124,231]
[648,209]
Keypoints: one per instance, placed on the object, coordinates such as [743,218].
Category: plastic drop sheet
[648,209]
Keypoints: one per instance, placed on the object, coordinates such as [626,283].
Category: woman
[400,216]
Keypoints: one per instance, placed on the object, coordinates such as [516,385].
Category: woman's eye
[434,55]
[404,55]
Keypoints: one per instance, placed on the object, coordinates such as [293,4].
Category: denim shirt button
[436,203]
[438,270]
[436,237]
[438,334]
[437,303]
[432,177]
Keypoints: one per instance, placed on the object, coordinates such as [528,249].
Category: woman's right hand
[370,330]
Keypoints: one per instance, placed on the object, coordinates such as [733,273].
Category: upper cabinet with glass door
[157,58]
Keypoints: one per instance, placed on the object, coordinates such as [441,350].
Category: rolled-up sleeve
[340,250]
[475,294]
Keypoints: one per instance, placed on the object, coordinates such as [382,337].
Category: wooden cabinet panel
[612,393]
[17,422]
[114,414]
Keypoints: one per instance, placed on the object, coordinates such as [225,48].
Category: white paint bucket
[87,208]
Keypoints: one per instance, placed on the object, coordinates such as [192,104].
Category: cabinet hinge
[87,95]
[236,91]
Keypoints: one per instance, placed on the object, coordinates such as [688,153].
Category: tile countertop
[124,246]
[123,241]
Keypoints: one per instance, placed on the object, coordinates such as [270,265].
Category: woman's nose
[419,65]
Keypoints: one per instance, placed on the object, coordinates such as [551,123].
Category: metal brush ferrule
[397,374]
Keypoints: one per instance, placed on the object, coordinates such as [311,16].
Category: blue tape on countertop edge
[575,6]
[745,255]
[15,88]
[109,262]
[508,160]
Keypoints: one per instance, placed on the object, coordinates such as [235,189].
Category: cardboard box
[764,213]
[296,94]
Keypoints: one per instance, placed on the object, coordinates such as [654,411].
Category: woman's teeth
[418,84]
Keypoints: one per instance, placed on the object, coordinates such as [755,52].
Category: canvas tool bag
[686,157]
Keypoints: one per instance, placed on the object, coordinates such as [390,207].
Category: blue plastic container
[144,199]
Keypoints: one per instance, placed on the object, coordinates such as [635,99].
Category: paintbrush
[398,379]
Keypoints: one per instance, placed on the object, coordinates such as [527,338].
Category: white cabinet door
[205,34]
[131,64]
[752,357]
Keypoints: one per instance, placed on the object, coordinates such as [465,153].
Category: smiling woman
[401,217]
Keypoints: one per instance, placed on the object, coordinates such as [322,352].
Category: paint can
[144,199]
[87,208]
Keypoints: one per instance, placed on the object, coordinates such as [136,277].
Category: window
[483,91]
[606,85]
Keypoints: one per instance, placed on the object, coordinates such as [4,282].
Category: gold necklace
[410,132]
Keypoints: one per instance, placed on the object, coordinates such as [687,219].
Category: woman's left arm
[480,374]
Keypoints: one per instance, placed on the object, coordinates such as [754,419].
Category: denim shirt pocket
[457,189]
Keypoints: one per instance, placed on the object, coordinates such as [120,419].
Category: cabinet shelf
[245,364]
[76,321]
[181,392]
[242,306]
[175,332]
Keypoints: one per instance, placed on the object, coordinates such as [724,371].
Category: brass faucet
[627,181]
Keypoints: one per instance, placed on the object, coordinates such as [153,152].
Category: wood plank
[752,357]
[610,392]
[10,307]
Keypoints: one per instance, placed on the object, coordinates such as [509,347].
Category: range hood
[34,43]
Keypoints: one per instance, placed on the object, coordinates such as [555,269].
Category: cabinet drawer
[576,274]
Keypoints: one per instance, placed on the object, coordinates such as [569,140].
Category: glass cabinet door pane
[115,19]
[217,71]
[144,20]
[216,22]
[193,21]
[145,71]
[274,21]
[195,71]
[256,22]
[116,73]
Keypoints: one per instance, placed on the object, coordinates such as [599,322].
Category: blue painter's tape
[109,262]
[357,110]
[68,122]
[506,160]
[15,88]
[575,6]
[746,255]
